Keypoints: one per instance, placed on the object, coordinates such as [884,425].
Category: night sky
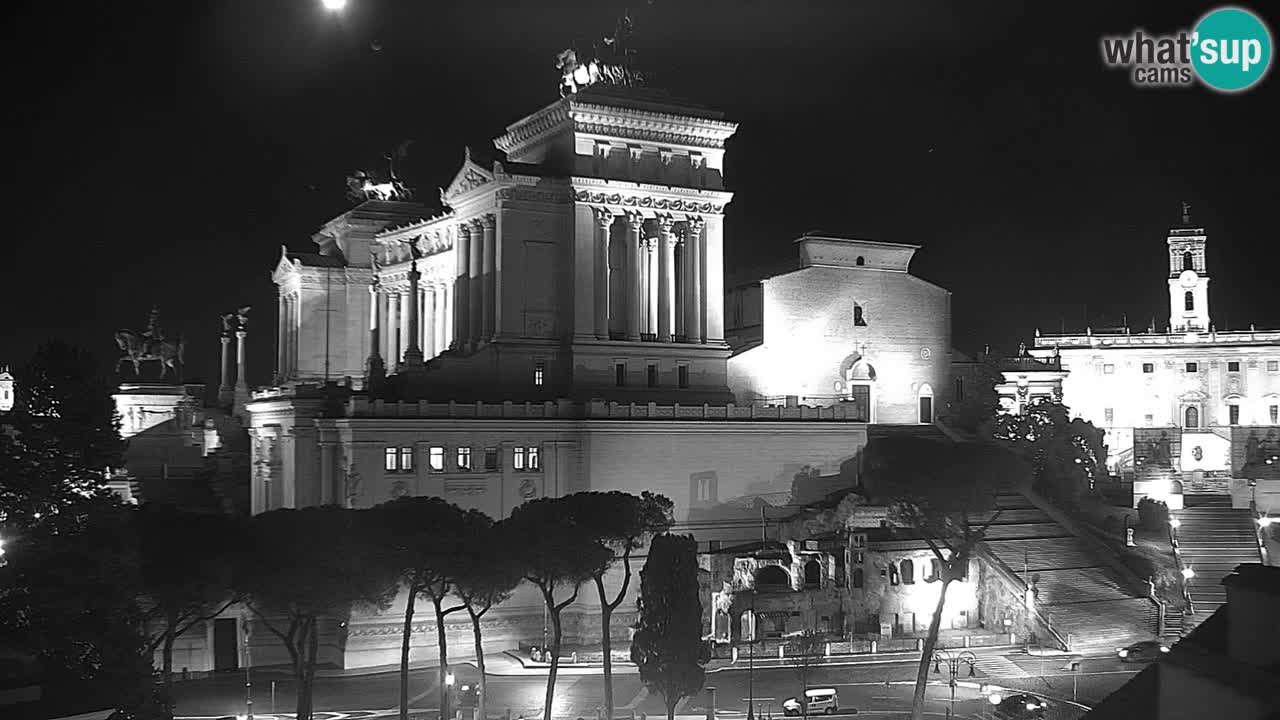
[165,151]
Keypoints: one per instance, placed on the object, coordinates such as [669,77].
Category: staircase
[1213,539]
[1078,593]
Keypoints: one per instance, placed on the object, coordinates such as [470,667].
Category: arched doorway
[1191,417]
[772,576]
[860,380]
[813,573]
[925,402]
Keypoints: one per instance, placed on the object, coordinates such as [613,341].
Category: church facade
[1191,409]
[560,327]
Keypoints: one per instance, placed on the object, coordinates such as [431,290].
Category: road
[880,689]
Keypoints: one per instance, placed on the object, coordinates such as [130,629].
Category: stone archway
[859,378]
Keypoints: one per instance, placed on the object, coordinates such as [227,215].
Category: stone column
[447,317]
[666,279]
[224,390]
[475,304]
[488,286]
[394,330]
[375,371]
[291,337]
[429,321]
[604,221]
[635,294]
[283,312]
[693,302]
[461,292]
[713,279]
[413,351]
[697,226]
[651,286]
[241,384]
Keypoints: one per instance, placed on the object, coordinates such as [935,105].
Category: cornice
[646,200]
[650,125]
[532,129]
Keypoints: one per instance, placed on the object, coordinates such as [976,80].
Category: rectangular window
[1233,366]
[1233,414]
[392,462]
[1273,366]
[1275,414]
[1149,420]
[464,458]
[620,374]
[1193,367]
[1109,369]
[651,374]
[517,459]
[435,456]
[406,459]
[682,376]
[959,389]
[538,369]
[1110,416]
[532,455]
[1148,368]
[491,458]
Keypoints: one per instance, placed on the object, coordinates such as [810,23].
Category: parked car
[1022,707]
[1145,651]
[817,701]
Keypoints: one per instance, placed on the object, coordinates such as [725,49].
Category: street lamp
[449,680]
[1188,573]
[953,662]
[334,5]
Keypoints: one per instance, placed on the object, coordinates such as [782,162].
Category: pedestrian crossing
[999,666]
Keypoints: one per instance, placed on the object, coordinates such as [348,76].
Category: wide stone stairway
[1213,539]
[1078,593]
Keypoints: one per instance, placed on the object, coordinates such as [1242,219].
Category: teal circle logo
[1231,49]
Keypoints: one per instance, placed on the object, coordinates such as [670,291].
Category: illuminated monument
[559,326]
[1192,409]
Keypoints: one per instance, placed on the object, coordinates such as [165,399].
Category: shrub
[1153,514]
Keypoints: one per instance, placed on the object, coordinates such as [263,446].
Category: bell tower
[1188,277]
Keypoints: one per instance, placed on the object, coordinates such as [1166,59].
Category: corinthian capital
[604,217]
[635,220]
[696,223]
[488,221]
[666,223]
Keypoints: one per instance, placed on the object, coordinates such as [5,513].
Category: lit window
[535,462]
[491,458]
[620,374]
[682,376]
[517,459]
[1110,415]
[391,460]
[435,456]
[1233,413]
[858,318]
[406,459]
[538,369]
[1148,368]
[1275,414]
[1233,366]
[1109,369]
[1273,366]
[652,375]
[464,458]
[1193,367]
[1149,420]
[893,575]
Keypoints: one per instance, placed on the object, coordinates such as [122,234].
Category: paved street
[879,689]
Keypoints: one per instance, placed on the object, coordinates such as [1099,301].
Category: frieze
[664,137]
[464,488]
[648,202]
[534,195]
[396,628]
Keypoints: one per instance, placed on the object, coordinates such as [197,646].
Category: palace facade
[1192,409]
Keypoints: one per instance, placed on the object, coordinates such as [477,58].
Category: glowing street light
[1188,573]
[334,5]
[1175,523]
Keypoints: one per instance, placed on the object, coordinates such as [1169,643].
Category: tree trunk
[926,654]
[404,652]
[442,644]
[167,663]
[606,645]
[671,708]
[303,694]
[555,660]
[484,683]
[309,672]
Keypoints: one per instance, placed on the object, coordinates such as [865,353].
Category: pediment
[469,177]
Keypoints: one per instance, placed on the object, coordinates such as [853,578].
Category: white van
[817,701]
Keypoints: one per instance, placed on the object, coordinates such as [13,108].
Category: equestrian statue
[136,348]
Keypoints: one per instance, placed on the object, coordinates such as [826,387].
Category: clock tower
[1188,277]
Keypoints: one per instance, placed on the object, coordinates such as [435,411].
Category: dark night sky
[169,149]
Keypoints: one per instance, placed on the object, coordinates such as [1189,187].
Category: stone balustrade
[1260,337]
[563,409]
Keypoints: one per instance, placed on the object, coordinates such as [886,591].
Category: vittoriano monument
[151,345]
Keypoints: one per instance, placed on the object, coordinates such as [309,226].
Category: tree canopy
[1067,455]
[668,645]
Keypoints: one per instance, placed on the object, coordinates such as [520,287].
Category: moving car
[1022,707]
[817,701]
[1145,651]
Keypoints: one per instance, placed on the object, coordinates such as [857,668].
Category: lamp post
[953,661]
[751,662]
[449,680]
[248,679]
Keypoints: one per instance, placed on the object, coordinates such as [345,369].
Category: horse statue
[138,348]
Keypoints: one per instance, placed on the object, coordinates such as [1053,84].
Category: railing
[1009,576]
[1182,577]
[360,406]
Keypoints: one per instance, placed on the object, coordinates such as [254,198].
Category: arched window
[908,572]
[813,573]
[894,579]
[925,400]
[860,261]
[1188,261]
[935,570]
[858,577]
[858,318]
[772,575]
[1193,417]
[1189,301]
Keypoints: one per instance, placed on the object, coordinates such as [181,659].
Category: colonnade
[391,316]
[663,300]
[290,323]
